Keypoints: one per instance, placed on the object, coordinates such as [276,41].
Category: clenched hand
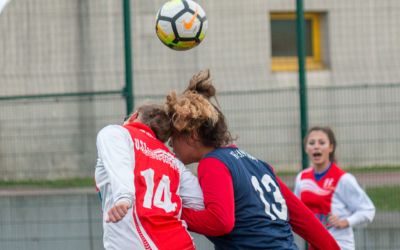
[118,211]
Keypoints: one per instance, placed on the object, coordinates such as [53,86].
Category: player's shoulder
[348,185]
[347,179]
[307,170]
[304,173]
[179,165]
[111,130]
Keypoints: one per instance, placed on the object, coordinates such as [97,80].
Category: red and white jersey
[338,193]
[133,165]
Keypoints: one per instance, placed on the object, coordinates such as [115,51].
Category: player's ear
[195,138]
[331,148]
[131,118]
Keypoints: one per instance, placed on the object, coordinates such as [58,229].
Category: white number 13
[162,188]
[266,180]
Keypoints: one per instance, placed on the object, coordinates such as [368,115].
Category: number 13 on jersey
[275,212]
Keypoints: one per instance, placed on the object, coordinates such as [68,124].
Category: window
[283,41]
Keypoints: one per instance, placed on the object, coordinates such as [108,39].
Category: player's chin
[186,161]
[182,159]
[317,159]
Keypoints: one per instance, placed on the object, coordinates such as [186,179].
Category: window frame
[290,63]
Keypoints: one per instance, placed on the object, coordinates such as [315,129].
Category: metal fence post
[302,79]
[302,82]
[128,90]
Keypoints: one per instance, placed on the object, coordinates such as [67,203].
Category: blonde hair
[192,111]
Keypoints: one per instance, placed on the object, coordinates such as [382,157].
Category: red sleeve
[305,224]
[218,217]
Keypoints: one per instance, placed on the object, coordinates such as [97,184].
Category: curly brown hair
[192,111]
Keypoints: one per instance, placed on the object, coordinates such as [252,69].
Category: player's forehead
[317,135]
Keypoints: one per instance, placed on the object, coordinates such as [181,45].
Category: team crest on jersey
[328,184]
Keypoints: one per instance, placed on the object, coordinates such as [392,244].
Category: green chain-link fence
[50,50]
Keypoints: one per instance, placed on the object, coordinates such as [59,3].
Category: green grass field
[386,198]
[60,183]
[372,169]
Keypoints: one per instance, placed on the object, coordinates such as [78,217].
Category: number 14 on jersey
[163,187]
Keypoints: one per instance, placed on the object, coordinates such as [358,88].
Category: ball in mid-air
[181,24]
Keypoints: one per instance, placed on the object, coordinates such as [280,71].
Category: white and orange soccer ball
[181,24]
[3,4]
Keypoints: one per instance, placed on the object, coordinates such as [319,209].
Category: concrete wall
[71,219]
[49,47]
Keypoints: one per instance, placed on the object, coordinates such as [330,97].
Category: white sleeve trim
[356,201]
[189,190]
[124,199]
[297,188]
[115,148]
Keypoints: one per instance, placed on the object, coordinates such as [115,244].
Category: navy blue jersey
[261,217]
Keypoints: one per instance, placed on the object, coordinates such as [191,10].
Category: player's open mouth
[317,154]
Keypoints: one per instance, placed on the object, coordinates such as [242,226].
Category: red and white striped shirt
[338,193]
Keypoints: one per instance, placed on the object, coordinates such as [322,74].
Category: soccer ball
[181,24]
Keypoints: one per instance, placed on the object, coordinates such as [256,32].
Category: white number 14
[162,188]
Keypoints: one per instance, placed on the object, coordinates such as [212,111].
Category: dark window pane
[308,37]
[283,36]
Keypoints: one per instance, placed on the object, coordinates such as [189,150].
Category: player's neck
[205,150]
[320,168]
